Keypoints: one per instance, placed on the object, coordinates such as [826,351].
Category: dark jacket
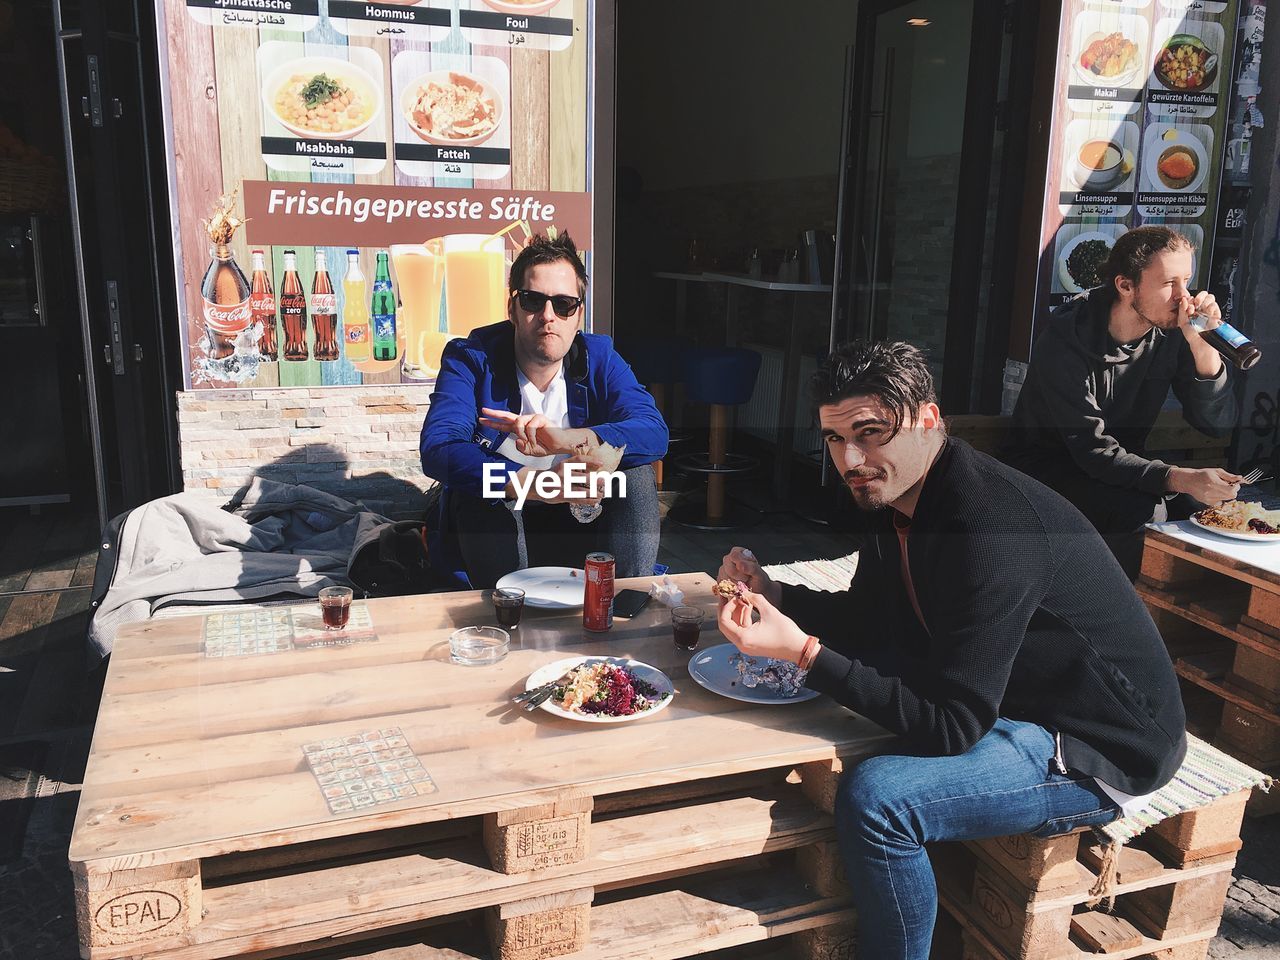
[1090,402]
[1029,617]
[480,371]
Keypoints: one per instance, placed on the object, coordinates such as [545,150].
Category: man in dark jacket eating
[1099,374]
[987,624]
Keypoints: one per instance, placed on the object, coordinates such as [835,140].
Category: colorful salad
[599,687]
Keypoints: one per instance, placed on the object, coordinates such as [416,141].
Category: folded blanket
[280,539]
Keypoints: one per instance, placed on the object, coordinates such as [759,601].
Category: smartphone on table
[627,603]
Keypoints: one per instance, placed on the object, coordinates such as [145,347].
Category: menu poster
[352,180]
[1137,136]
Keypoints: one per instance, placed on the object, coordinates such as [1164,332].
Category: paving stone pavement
[1251,921]
[37,907]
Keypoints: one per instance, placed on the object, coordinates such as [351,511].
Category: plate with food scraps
[547,588]
[1239,515]
[717,669]
[603,689]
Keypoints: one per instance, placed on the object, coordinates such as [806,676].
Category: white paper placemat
[1264,556]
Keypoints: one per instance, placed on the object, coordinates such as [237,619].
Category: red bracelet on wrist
[810,653]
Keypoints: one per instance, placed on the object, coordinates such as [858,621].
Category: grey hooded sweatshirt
[1090,402]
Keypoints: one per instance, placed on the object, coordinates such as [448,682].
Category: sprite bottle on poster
[383,309]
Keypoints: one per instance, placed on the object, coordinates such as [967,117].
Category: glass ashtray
[478,646]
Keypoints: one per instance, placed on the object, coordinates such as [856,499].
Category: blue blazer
[480,371]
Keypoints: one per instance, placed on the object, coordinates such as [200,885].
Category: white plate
[641,671]
[1238,534]
[711,668]
[548,588]
[1182,139]
[1068,282]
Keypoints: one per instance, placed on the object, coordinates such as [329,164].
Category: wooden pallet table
[325,798]
[1029,898]
[1220,616]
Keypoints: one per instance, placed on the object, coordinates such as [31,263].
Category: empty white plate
[548,588]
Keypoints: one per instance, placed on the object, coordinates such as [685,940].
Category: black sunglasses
[564,305]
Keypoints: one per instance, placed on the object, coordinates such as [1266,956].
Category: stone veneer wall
[356,442]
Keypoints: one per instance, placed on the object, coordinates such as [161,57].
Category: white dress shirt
[552,403]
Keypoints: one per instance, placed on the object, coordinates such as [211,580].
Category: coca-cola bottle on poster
[262,307]
[293,310]
[224,291]
[324,311]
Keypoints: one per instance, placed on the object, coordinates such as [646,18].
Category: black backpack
[395,564]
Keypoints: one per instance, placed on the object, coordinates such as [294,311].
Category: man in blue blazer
[517,405]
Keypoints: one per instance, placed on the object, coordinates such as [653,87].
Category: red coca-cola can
[597,606]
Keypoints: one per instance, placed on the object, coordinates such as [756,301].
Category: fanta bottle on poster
[355,311]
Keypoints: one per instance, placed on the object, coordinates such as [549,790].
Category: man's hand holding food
[745,588]
[740,564]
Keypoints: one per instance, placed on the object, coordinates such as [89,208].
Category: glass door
[918,225]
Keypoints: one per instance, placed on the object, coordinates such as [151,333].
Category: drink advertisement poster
[351,180]
[1138,134]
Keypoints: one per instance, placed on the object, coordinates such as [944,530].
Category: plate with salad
[603,689]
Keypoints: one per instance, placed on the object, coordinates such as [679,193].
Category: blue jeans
[888,807]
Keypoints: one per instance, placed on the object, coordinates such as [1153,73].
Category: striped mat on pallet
[831,575]
[1205,775]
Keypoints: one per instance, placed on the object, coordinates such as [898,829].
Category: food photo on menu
[452,108]
[1081,250]
[1175,169]
[450,115]
[322,108]
[1185,68]
[1100,156]
[1109,49]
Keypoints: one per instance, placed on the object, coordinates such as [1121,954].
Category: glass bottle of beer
[262,303]
[1229,342]
[293,310]
[355,311]
[324,311]
[383,309]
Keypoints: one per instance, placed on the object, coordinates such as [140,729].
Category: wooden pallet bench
[203,833]
[1220,618]
[1029,898]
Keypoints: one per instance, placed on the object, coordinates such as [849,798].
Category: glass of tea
[686,625]
[508,604]
[335,605]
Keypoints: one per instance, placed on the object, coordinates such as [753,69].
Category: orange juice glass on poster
[419,279]
[475,281]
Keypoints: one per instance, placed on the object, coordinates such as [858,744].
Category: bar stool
[656,362]
[722,377]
